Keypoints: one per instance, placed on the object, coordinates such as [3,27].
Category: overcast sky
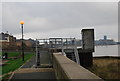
[60,19]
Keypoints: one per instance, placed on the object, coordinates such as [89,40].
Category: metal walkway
[58,43]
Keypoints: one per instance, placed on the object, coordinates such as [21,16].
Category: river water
[107,50]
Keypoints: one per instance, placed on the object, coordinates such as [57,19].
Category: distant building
[18,42]
[7,40]
[105,41]
[118,42]
[105,37]
[28,43]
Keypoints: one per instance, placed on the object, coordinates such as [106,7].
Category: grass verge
[106,68]
[12,54]
[15,64]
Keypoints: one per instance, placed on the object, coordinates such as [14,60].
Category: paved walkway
[34,74]
[45,60]
[29,73]
[30,64]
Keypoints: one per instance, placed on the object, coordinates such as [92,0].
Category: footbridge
[59,59]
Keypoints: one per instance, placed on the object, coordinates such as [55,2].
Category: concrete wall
[88,39]
[68,70]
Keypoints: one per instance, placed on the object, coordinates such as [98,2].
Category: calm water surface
[108,50]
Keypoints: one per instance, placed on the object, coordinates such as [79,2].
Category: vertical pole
[66,43]
[38,58]
[63,48]
[36,52]
[22,44]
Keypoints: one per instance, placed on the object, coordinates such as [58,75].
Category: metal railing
[58,43]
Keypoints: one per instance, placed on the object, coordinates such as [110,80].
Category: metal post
[22,43]
[63,48]
[36,52]
[38,59]
[66,43]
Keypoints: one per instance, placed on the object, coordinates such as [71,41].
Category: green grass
[0,53]
[15,64]
[0,70]
[12,54]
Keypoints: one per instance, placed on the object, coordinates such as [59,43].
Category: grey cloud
[44,17]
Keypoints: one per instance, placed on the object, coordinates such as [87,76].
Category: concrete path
[33,74]
[30,63]
[29,73]
[45,60]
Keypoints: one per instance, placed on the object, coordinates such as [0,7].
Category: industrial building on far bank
[105,41]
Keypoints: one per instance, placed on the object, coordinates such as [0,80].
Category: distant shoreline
[106,44]
[117,57]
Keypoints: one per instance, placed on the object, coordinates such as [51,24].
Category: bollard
[38,58]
